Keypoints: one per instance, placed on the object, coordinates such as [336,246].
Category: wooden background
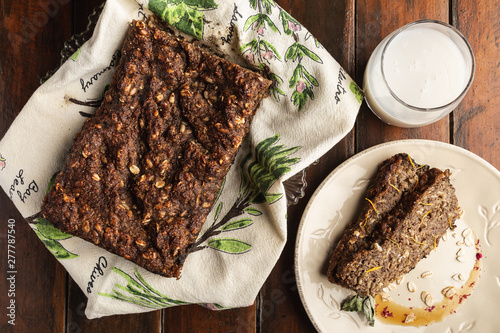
[47,299]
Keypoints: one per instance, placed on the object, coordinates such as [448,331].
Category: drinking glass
[421,59]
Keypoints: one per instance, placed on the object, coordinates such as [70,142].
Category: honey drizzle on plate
[392,313]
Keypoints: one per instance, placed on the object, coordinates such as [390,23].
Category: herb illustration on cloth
[139,292]
[261,52]
[51,237]
[3,162]
[270,163]
[185,15]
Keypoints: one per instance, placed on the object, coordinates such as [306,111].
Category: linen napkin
[312,105]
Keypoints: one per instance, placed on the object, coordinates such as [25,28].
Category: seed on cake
[134,169]
[411,287]
[86,227]
[140,243]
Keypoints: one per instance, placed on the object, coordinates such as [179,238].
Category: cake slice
[395,177]
[405,236]
[144,171]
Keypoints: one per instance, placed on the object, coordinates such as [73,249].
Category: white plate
[335,203]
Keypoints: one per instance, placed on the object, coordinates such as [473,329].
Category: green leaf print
[55,247]
[75,55]
[238,224]
[303,82]
[201,4]
[301,73]
[271,162]
[259,50]
[258,172]
[253,211]
[185,15]
[252,46]
[138,291]
[266,46]
[229,245]
[290,25]
[218,210]
[357,91]
[191,22]
[300,98]
[262,4]
[49,231]
[258,23]
[251,20]
[3,162]
[275,86]
[292,53]
[271,25]
[51,236]
[52,182]
[297,51]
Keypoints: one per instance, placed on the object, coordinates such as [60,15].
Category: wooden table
[47,300]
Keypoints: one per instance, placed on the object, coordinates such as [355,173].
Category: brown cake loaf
[144,171]
[405,236]
[395,177]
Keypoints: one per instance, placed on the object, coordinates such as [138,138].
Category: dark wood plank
[374,21]
[194,318]
[38,287]
[81,10]
[477,119]
[31,35]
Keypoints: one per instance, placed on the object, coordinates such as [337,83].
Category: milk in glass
[418,74]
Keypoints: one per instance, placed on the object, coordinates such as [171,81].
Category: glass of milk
[418,74]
